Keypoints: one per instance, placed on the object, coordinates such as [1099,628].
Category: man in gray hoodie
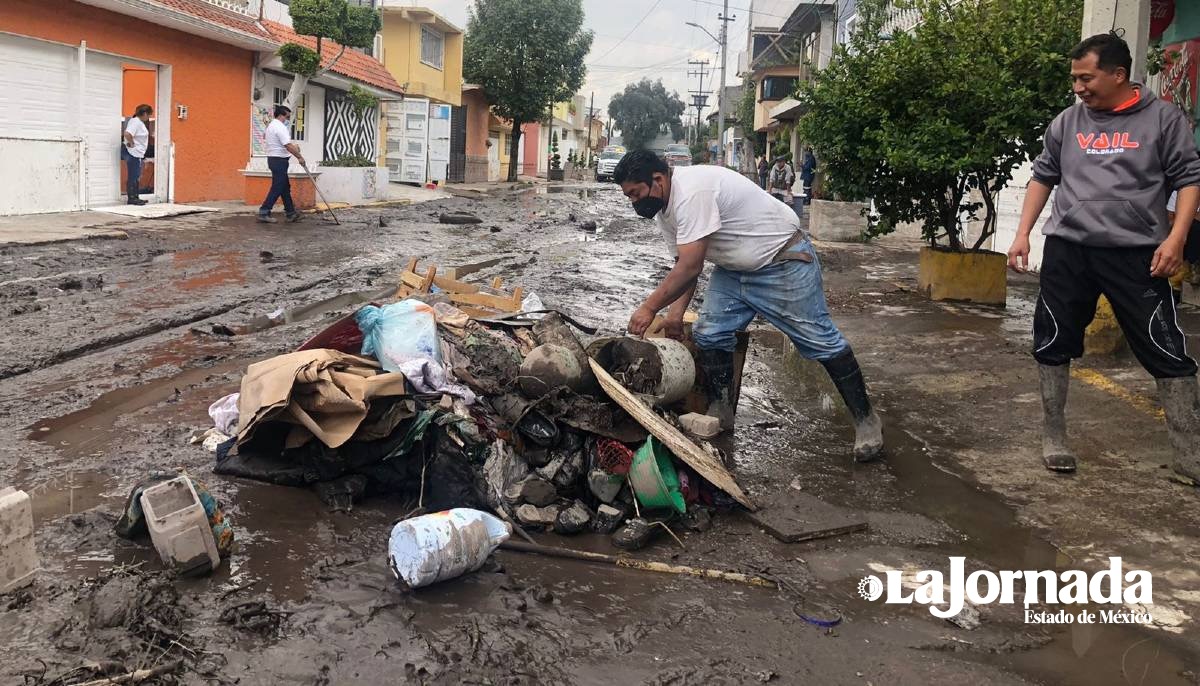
[1115,156]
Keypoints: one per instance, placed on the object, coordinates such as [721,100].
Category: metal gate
[457,171]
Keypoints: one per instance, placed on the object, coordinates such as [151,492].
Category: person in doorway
[781,180]
[808,172]
[137,140]
[763,170]
[280,149]
[765,265]
[1114,156]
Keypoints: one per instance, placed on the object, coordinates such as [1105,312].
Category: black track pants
[1072,279]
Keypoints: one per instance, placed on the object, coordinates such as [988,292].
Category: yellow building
[424,51]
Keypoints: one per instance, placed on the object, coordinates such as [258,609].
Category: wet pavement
[113,350]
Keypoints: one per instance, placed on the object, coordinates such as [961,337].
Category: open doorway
[139,86]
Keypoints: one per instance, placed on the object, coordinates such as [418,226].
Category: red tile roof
[218,15]
[353,64]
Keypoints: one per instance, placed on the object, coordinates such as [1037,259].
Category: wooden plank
[518,295]
[497,302]
[427,284]
[411,279]
[793,517]
[676,442]
[497,283]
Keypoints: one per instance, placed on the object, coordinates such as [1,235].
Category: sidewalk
[32,229]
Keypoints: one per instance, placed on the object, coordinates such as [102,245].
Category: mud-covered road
[112,351]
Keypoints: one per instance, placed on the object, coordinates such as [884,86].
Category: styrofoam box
[179,527]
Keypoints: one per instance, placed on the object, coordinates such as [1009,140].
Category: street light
[692,23]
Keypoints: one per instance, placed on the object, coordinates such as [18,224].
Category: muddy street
[113,351]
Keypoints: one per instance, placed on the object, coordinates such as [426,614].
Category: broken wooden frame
[468,297]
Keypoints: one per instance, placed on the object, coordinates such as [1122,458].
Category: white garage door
[41,100]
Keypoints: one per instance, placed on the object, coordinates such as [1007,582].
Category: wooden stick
[138,676]
[643,565]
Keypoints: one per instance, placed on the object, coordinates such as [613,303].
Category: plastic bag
[403,336]
[224,414]
[444,545]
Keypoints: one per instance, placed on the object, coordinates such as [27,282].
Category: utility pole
[591,113]
[699,97]
[725,19]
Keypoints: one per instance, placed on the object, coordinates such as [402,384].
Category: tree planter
[978,277]
[555,175]
[832,220]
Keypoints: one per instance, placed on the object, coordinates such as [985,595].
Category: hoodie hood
[1146,97]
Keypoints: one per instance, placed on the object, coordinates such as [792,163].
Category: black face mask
[648,206]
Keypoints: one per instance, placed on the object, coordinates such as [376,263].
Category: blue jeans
[281,187]
[133,176]
[789,295]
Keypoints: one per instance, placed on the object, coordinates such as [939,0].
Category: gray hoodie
[1114,171]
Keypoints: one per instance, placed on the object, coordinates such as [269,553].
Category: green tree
[349,25]
[526,54]
[555,158]
[644,110]
[931,124]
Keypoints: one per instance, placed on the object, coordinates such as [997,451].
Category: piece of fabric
[141,137]
[788,294]
[278,138]
[321,393]
[133,176]
[224,414]
[745,226]
[281,187]
[1114,170]
[1074,276]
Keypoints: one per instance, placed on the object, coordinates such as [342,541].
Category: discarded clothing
[224,414]
[403,337]
[321,393]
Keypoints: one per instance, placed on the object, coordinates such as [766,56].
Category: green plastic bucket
[654,479]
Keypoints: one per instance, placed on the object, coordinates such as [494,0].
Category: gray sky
[657,43]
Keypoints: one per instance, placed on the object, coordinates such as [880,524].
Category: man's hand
[1018,254]
[301,159]
[641,320]
[1167,259]
[673,328]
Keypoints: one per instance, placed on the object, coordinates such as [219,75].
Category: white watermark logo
[946,597]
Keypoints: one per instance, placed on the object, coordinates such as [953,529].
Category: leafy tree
[644,110]
[923,123]
[555,159]
[350,25]
[526,54]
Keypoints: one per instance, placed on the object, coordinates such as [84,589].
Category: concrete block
[979,277]
[836,221]
[574,519]
[530,515]
[700,425]
[534,491]
[604,486]
[608,519]
[18,558]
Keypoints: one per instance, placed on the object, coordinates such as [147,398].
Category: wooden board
[676,442]
[794,516]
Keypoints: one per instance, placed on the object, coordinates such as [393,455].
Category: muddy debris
[459,218]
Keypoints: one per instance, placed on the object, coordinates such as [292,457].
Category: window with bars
[299,110]
[433,47]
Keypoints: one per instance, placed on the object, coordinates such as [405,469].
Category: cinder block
[700,425]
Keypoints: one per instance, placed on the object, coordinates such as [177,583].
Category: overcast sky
[635,39]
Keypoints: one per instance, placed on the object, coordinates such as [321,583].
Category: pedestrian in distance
[137,141]
[808,172]
[280,150]
[1114,157]
[765,265]
[763,170]
[781,180]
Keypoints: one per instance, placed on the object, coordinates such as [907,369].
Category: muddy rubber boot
[1055,454]
[134,200]
[868,427]
[1181,403]
[294,217]
[718,385]
[267,219]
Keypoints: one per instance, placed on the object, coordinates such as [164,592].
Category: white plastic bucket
[435,547]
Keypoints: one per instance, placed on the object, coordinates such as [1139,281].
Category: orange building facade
[191,62]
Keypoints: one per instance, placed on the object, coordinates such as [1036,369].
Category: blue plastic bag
[403,337]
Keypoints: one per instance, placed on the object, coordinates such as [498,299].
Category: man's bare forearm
[681,281]
[680,306]
[1036,196]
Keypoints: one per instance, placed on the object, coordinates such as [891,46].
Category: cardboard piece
[793,517]
[676,442]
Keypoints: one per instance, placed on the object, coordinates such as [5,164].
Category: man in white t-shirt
[137,141]
[280,149]
[765,265]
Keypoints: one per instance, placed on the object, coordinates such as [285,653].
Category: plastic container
[435,547]
[655,481]
[674,362]
[18,558]
[179,527]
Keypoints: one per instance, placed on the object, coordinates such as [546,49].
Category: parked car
[607,163]
[679,155]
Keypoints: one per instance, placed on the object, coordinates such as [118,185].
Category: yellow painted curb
[1095,379]
[979,277]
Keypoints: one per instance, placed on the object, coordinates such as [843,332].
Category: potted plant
[556,170]
[971,114]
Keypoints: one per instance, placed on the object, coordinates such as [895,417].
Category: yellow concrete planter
[978,277]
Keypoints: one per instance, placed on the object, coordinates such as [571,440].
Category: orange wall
[477,123]
[212,79]
[140,88]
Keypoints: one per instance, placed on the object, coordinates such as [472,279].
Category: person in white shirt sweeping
[280,149]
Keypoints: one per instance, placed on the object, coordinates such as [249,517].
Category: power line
[635,28]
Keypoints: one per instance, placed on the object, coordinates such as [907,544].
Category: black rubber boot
[1055,454]
[718,385]
[134,200]
[868,428]
[1181,403]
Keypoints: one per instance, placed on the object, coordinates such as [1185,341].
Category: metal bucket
[678,369]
